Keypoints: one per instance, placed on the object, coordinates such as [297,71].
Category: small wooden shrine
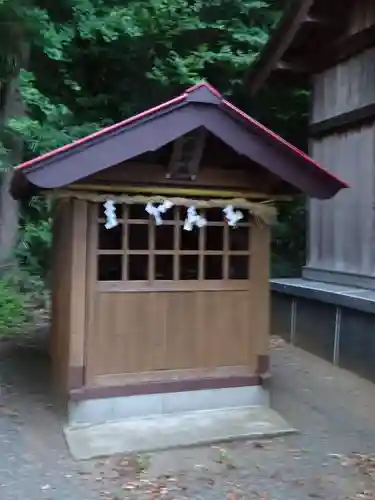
[161,256]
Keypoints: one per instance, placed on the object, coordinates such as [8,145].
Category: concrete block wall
[339,334]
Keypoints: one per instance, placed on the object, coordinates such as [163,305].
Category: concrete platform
[331,321]
[361,299]
[140,435]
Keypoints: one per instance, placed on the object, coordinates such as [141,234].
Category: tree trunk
[9,208]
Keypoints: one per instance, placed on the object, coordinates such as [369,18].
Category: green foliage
[13,310]
[24,303]
[289,240]
[34,290]
[10,36]
[94,62]
[34,247]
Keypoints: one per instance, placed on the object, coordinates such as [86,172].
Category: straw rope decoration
[262,212]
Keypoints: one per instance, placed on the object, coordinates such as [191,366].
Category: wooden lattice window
[139,250]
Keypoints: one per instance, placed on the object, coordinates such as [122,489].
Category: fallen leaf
[276,342]
[298,482]
[234,496]
[275,475]
[257,444]
[83,472]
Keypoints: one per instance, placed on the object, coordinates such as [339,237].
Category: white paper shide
[110,213]
[193,219]
[232,216]
[157,210]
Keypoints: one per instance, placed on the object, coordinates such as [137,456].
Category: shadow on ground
[27,367]
[331,458]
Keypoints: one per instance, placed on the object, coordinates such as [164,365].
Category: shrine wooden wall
[168,331]
[169,336]
[342,230]
[109,334]
[68,295]
[248,179]
[59,342]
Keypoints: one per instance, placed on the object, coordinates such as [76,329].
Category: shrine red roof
[199,106]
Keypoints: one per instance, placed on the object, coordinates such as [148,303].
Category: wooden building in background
[331,45]
[161,299]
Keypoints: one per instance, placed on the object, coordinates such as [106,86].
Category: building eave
[308,38]
[199,106]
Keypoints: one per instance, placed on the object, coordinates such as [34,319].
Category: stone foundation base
[162,432]
[100,411]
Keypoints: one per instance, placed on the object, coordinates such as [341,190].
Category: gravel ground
[331,457]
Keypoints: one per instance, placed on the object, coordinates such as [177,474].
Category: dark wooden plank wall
[363,16]
[342,230]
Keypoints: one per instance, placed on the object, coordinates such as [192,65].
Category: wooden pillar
[260,293]
[77,317]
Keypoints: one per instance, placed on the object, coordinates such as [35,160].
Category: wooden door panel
[208,329]
[147,332]
[128,334]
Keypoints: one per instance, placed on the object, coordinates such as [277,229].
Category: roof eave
[20,186]
[199,106]
[278,43]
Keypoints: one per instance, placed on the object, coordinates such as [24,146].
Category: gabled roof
[199,106]
[309,38]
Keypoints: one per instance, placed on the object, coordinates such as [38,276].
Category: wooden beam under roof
[322,58]
[278,43]
[351,119]
[346,47]
[293,66]
[310,19]
[304,24]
